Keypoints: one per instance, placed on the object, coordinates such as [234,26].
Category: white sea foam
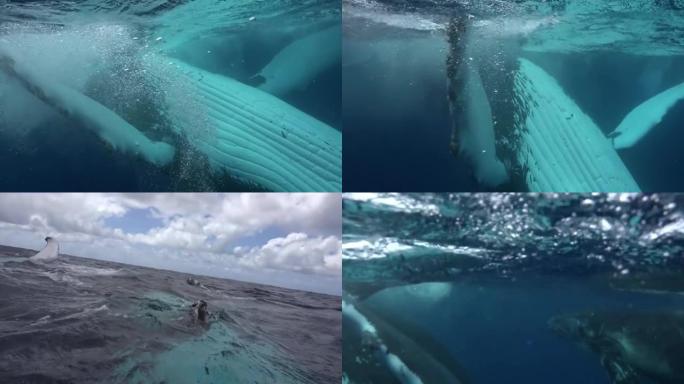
[91,271]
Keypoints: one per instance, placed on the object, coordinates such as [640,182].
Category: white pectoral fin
[479,142]
[639,121]
[109,126]
[49,252]
[297,64]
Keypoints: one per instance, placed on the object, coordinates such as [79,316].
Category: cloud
[197,230]
[296,252]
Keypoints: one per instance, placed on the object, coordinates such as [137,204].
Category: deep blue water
[476,278]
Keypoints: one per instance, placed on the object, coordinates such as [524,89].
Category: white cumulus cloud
[192,229]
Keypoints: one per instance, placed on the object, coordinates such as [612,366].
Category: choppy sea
[78,320]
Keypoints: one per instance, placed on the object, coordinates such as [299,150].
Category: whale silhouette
[408,354]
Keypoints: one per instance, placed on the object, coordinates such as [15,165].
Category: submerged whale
[252,135]
[49,252]
[109,126]
[363,278]
[297,64]
[561,147]
[634,348]
[406,354]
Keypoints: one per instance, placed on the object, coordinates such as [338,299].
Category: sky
[290,240]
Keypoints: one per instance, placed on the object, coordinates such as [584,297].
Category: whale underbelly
[562,149]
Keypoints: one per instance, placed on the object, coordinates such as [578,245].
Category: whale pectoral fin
[618,371]
[647,115]
[256,80]
[72,103]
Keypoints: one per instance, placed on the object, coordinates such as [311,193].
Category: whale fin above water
[640,120]
[71,103]
[49,252]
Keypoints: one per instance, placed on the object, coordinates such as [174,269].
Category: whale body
[640,120]
[71,103]
[49,252]
[297,64]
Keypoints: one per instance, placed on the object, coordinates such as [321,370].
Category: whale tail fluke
[640,120]
[49,252]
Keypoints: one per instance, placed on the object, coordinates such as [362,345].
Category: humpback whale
[363,278]
[253,135]
[297,64]
[49,252]
[561,147]
[109,126]
[408,354]
[640,120]
[200,311]
[635,348]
